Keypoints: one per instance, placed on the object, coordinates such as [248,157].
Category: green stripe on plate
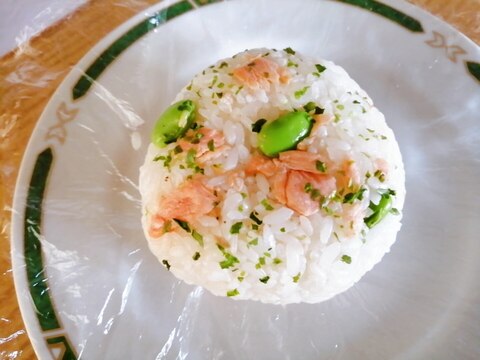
[37,278]
[61,343]
[114,50]
[474,69]
[388,12]
[205,2]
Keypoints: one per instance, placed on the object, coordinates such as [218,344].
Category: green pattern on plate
[114,50]
[474,69]
[205,2]
[62,343]
[388,12]
[37,278]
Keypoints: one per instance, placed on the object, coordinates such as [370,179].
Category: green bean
[173,123]
[284,133]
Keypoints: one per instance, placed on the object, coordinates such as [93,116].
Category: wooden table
[53,53]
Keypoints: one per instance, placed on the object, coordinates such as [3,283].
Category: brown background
[54,52]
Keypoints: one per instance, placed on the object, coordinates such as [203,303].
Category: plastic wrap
[86,283]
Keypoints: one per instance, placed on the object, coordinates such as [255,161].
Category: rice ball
[272,177]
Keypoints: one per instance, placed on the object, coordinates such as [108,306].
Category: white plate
[105,296]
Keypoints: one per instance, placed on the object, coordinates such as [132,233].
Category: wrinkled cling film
[107,295]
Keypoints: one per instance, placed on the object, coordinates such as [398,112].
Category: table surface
[21,104]
[28,18]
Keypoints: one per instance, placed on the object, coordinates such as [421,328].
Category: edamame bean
[380,210]
[284,133]
[173,123]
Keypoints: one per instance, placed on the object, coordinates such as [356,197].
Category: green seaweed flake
[299,93]
[233,292]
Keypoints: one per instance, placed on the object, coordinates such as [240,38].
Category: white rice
[306,258]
